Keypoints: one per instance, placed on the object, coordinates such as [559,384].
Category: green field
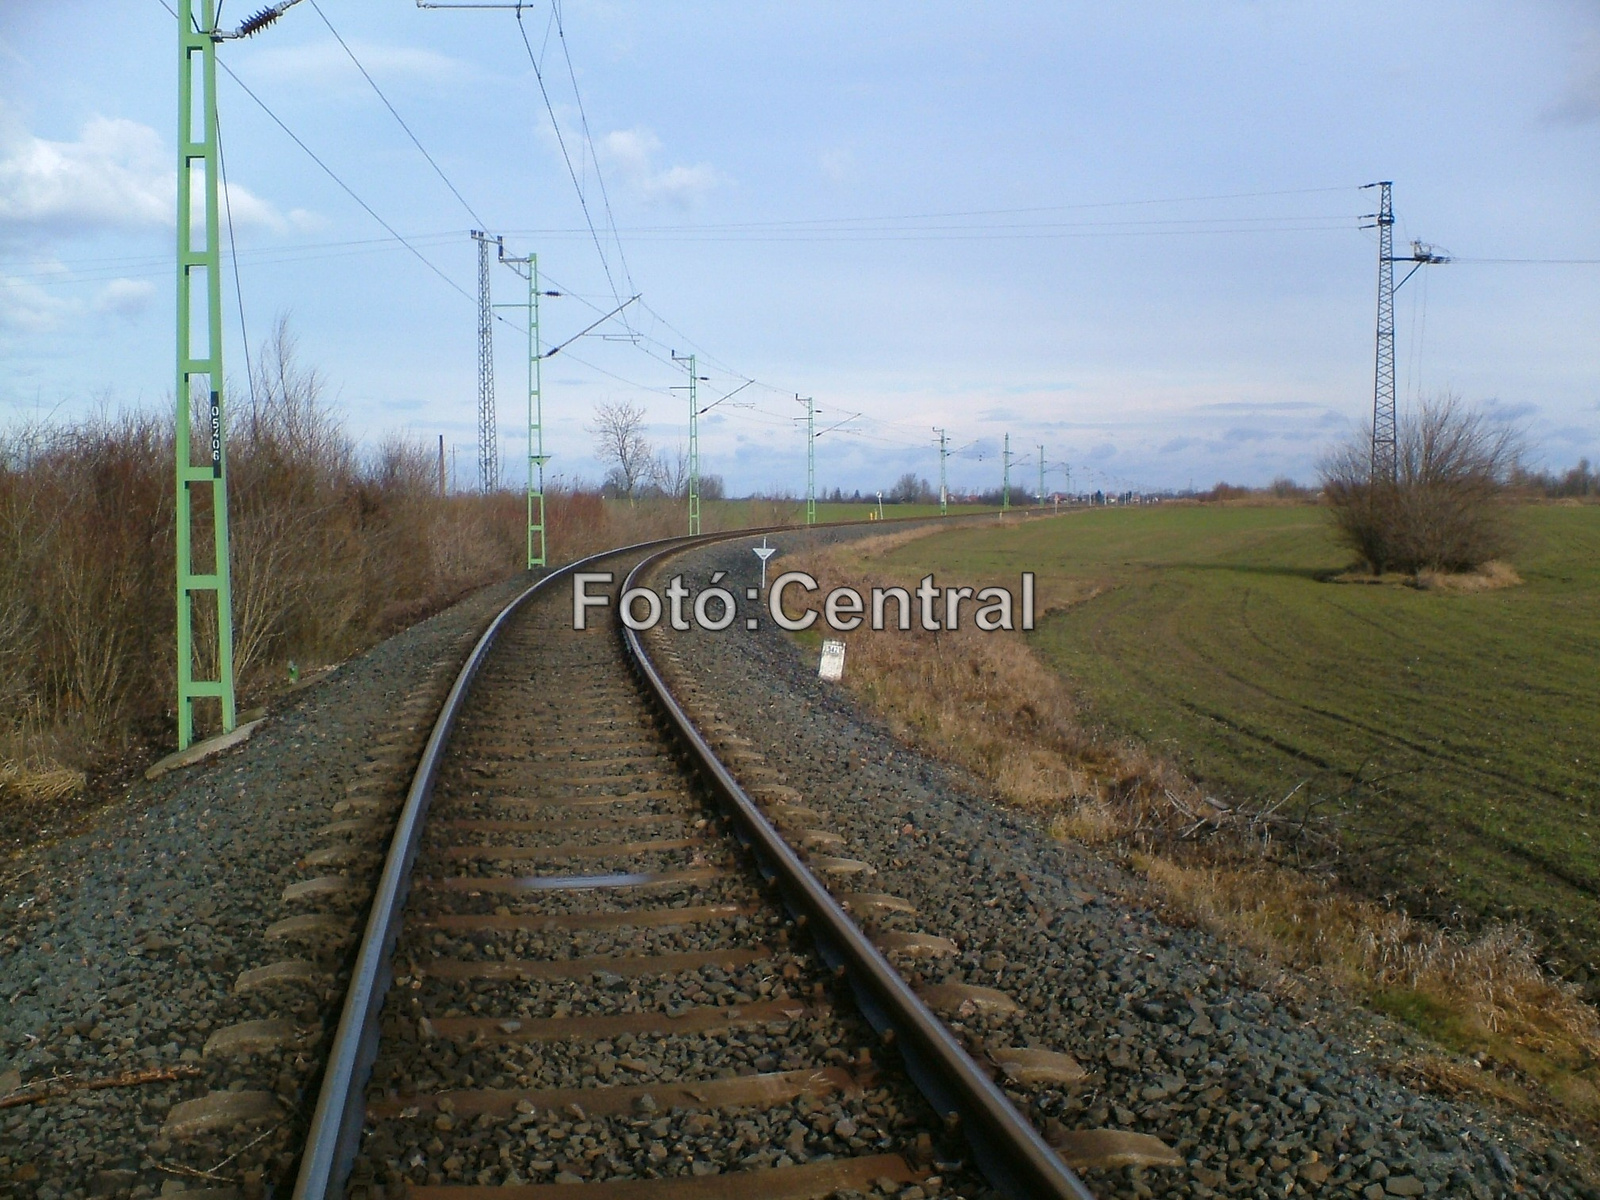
[1455,737]
[741,514]
[740,510]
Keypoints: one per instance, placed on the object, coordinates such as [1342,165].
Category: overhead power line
[1233,226]
[561,141]
[1553,262]
[395,235]
[438,170]
[583,120]
[238,286]
[333,175]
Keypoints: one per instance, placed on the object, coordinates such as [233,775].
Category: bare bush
[909,489]
[669,472]
[1444,511]
[331,549]
[1581,482]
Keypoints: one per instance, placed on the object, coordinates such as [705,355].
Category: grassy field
[1454,736]
[663,517]
[733,514]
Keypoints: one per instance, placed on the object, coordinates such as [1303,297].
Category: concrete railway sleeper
[593,958]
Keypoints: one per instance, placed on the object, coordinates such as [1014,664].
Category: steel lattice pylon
[528,268]
[1384,451]
[488,425]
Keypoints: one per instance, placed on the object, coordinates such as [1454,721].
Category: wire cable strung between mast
[329,171]
[238,288]
[422,258]
[599,176]
[561,141]
[1552,262]
[439,171]
[407,243]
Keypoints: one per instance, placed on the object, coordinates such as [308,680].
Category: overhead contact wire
[333,175]
[599,176]
[561,141]
[439,171]
[233,248]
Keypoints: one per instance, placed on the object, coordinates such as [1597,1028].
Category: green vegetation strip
[1453,736]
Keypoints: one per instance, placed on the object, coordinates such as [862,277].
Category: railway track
[593,959]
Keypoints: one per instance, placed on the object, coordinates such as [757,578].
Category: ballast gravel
[122,948]
[1265,1085]
[477,1027]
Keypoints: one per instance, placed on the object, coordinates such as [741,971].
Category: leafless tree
[908,489]
[1445,509]
[670,472]
[619,440]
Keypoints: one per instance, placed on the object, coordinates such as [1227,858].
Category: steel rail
[336,1122]
[1006,1147]
[340,1111]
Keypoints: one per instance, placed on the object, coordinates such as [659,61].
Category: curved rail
[341,1104]
[1008,1150]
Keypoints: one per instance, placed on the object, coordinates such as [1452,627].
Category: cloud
[325,65]
[26,307]
[1177,444]
[1579,102]
[116,176]
[1501,411]
[10,51]
[1253,406]
[836,164]
[124,297]
[1238,435]
[633,152]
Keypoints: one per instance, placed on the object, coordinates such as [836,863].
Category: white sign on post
[764,552]
[832,666]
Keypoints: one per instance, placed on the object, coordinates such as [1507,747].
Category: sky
[1131,234]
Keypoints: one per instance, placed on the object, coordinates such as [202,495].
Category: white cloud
[25,307]
[324,64]
[634,151]
[116,176]
[125,297]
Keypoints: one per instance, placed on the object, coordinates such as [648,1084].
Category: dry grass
[48,784]
[332,550]
[985,702]
[1490,577]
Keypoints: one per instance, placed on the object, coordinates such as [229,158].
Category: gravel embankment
[1266,1085]
[128,949]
